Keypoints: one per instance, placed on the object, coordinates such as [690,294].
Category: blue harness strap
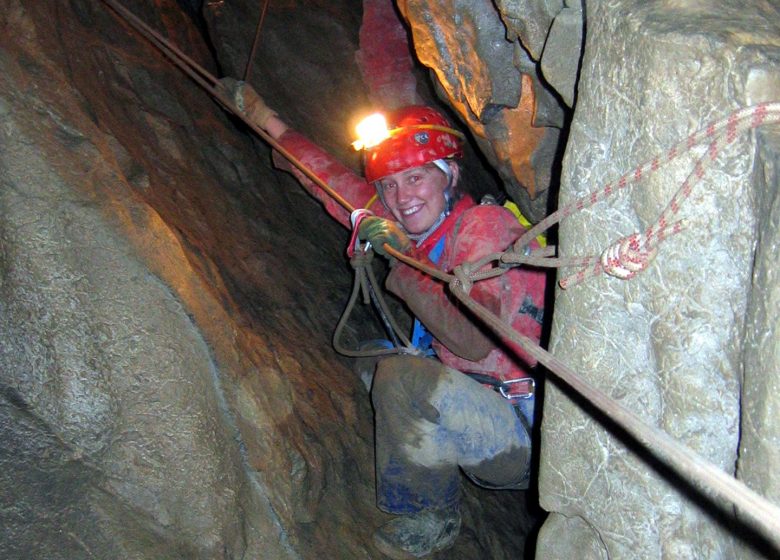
[421,337]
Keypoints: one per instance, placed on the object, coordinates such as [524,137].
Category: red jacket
[471,231]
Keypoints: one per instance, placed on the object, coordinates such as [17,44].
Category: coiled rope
[366,282]
[626,261]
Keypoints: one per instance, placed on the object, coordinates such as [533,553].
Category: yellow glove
[246,99]
[379,231]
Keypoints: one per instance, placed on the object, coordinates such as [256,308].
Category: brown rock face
[168,387]
[479,54]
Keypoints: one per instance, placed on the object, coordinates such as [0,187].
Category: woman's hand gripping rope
[381,232]
[365,281]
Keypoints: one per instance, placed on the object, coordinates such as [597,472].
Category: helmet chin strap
[448,198]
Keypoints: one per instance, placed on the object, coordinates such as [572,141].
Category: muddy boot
[419,534]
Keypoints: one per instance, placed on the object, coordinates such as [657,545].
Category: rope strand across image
[623,259]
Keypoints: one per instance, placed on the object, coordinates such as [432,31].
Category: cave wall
[168,387]
[486,62]
[157,399]
[167,298]
[690,345]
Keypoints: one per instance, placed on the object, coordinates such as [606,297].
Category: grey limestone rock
[690,344]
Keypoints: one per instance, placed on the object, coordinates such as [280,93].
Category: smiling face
[416,196]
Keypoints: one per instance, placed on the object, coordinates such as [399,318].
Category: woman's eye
[414,178]
[389,186]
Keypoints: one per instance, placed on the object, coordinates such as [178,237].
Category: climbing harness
[523,388]
[626,258]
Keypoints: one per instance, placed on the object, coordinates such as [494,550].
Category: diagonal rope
[638,249]
[365,281]
[699,472]
[211,84]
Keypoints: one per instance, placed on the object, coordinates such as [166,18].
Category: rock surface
[691,343]
[485,73]
[168,387]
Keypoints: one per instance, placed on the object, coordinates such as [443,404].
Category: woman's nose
[405,192]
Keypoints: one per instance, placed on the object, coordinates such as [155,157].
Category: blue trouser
[432,420]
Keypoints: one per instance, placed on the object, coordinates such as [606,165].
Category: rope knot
[361,259]
[462,274]
[628,256]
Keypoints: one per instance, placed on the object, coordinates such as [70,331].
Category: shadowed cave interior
[168,296]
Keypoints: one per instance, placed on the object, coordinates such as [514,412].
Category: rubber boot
[419,534]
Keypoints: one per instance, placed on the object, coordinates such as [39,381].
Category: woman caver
[470,404]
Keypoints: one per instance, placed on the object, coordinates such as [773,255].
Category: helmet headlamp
[371,131]
[416,135]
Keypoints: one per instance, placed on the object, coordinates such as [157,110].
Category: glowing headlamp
[371,131]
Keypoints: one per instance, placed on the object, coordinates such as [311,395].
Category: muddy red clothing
[471,232]
[431,420]
[340,177]
[517,297]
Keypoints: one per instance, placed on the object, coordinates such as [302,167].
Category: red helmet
[418,135]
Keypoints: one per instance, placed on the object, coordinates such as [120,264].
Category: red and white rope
[630,255]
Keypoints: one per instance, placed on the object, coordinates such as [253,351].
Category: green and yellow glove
[246,99]
[379,231]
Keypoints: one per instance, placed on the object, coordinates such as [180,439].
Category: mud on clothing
[472,231]
[430,418]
